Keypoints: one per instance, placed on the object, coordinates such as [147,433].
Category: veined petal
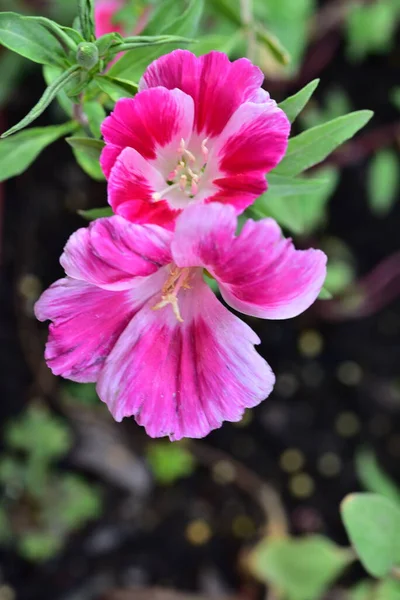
[259,273]
[153,123]
[217,85]
[112,252]
[185,379]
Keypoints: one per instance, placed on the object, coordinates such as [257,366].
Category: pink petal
[104,12]
[217,86]
[153,123]
[259,272]
[112,252]
[132,183]
[87,322]
[185,379]
[252,143]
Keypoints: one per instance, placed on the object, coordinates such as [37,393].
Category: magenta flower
[135,315]
[104,14]
[200,130]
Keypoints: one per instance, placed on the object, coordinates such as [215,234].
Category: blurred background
[91,509]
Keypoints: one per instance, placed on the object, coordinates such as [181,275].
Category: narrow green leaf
[297,204]
[314,145]
[96,213]
[31,38]
[216,41]
[12,69]
[325,294]
[373,478]
[272,44]
[86,19]
[131,66]
[116,88]
[50,74]
[95,114]
[301,569]
[293,105]
[383,182]
[87,153]
[49,94]
[228,10]
[19,151]
[372,523]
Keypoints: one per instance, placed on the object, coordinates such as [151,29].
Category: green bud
[87,55]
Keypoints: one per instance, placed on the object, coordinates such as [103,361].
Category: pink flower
[200,130]
[104,14]
[135,315]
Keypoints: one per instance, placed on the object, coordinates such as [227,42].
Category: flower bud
[87,55]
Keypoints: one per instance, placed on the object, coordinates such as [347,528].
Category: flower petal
[217,86]
[153,123]
[259,273]
[131,186]
[112,252]
[185,379]
[104,12]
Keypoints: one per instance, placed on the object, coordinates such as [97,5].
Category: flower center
[188,172]
[178,278]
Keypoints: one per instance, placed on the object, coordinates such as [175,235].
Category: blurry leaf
[340,274]
[12,475]
[40,545]
[273,45]
[215,41]
[169,461]
[395,97]
[105,42]
[86,18]
[132,65]
[79,502]
[5,526]
[229,10]
[362,591]
[314,145]
[39,433]
[49,94]
[389,589]
[50,74]
[371,28]
[11,69]
[95,114]
[372,523]
[383,182]
[87,153]
[96,213]
[297,204]
[116,88]
[84,393]
[325,294]
[373,478]
[293,105]
[29,37]
[17,153]
[300,569]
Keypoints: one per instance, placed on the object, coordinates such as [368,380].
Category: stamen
[204,149]
[182,182]
[178,279]
[156,196]
[173,301]
[194,187]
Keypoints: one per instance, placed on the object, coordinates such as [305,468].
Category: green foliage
[86,18]
[95,115]
[340,274]
[131,66]
[388,589]
[372,523]
[395,97]
[383,182]
[87,153]
[96,213]
[314,145]
[373,478]
[49,94]
[299,569]
[116,88]
[12,68]
[38,546]
[83,393]
[36,38]
[371,27]
[17,153]
[293,105]
[170,461]
[297,204]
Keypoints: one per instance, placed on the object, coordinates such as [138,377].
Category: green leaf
[12,69]
[293,105]
[314,145]
[40,545]
[297,204]
[88,145]
[299,569]
[383,182]
[132,65]
[272,44]
[371,28]
[362,591]
[19,151]
[95,114]
[89,165]
[50,74]
[340,274]
[87,153]
[216,41]
[395,97]
[49,94]
[388,589]
[96,213]
[86,19]
[372,523]
[116,88]
[373,478]
[325,294]
[33,39]
[79,502]
[170,461]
